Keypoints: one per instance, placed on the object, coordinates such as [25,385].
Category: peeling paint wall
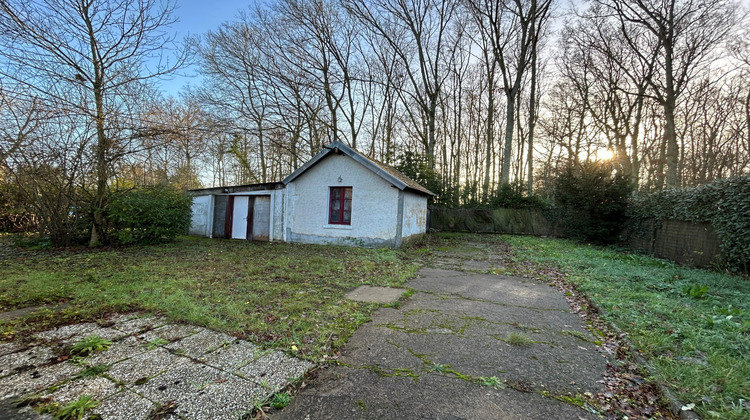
[374,205]
[415,215]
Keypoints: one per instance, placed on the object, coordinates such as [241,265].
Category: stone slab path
[152,366]
[467,345]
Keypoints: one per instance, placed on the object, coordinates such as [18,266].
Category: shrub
[512,196]
[149,215]
[591,201]
[724,203]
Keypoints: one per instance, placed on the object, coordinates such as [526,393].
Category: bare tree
[419,33]
[512,28]
[90,56]
[685,34]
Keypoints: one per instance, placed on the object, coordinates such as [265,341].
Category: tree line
[469,97]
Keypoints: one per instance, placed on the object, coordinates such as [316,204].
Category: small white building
[338,197]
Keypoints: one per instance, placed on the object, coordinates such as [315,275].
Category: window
[340,206]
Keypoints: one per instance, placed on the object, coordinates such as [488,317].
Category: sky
[197,17]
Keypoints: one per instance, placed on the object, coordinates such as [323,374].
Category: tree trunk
[510,113]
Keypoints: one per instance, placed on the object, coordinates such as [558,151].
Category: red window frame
[337,200]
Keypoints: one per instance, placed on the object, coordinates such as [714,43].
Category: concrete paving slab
[496,288]
[374,294]
[145,365]
[99,388]
[125,404]
[182,384]
[232,357]
[66,331]
[227,398]
[8,348]
[118,351]
[199,344]
[9,410]
[132,324]
[150,376]
[71,334]
[275,370]
[27,359]
[36,380]
[171,332]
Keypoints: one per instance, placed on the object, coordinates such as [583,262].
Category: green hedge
[149,215]
[724,203]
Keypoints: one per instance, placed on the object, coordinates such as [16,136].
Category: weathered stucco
[415,215]
[200,223]
[374,205]
[387,207]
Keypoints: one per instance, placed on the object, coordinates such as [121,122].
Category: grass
[692,325]
[278,295]
[90,344]
[519,340]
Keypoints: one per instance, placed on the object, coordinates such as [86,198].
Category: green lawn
[692,325]
[279,295]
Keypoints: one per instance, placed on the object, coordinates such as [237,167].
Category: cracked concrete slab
[425,359]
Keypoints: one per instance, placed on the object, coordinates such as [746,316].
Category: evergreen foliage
[149,215]
[591,201]
[724,203]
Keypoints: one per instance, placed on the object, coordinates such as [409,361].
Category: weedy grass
[280,295]
[519,340]
[77,409]
[692,325]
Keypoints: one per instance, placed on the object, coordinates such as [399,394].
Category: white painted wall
[415,214]
[202,217]
[374,205]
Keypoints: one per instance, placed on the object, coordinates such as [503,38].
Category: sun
[605,154]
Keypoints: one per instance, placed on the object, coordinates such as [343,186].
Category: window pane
[347,216]
[335,193]
[348,193]
[334,216]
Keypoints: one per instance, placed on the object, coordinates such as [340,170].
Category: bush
[591,201]
[149,215]
[512,197]
[724,203]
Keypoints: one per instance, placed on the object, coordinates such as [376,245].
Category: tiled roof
[386,172]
